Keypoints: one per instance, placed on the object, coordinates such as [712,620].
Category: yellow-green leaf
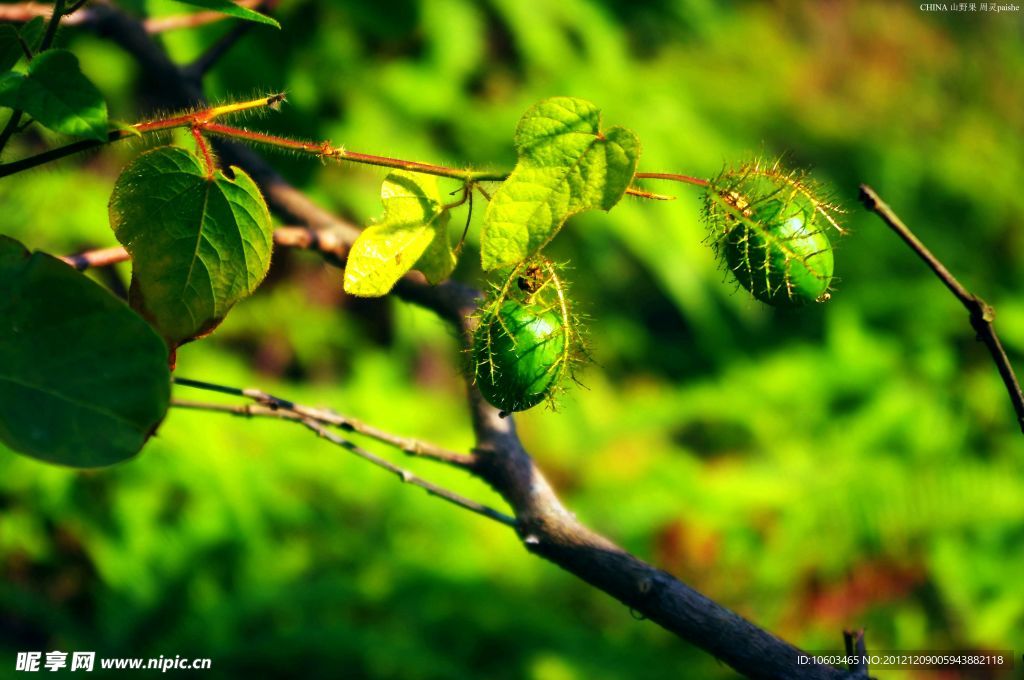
[411,234]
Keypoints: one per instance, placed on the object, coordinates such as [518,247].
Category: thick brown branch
[546,527]
[980,312]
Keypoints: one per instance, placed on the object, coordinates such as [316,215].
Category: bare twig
[981,313]
[318,420]
[276,408]
[410,478]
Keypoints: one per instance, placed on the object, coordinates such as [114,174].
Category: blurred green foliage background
[843,465]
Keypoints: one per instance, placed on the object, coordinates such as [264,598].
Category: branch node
[981,314]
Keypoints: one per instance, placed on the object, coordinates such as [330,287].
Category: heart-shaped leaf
[411,234]
[56,93]
[198,243]
[83,379]
[566,165]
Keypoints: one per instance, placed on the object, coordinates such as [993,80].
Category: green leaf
[566,165]
[83,380]
[10,48]
[32,33]
[411,234]
[56,94]
[199,243]
[231,9]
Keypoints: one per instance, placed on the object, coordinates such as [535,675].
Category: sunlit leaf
[231,9]
[199,243]
[57,95]
[411,234]
[566,165]
[83,379]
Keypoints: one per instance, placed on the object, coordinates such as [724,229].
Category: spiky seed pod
[526,339]
[770,228]
[519,356]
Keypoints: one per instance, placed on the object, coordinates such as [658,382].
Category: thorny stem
[981,313]
[204,122]
[209,164]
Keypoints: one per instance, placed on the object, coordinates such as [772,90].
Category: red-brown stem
[685,179]
[316,148]
[203,122]
[209,164]
[416,166]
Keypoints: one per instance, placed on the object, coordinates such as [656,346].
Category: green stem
[201,118]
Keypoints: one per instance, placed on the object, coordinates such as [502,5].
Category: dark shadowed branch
[856,647]
[981,314]
[545,526]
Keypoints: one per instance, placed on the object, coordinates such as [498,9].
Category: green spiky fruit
[519,352]
[789,265]
[770,228]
